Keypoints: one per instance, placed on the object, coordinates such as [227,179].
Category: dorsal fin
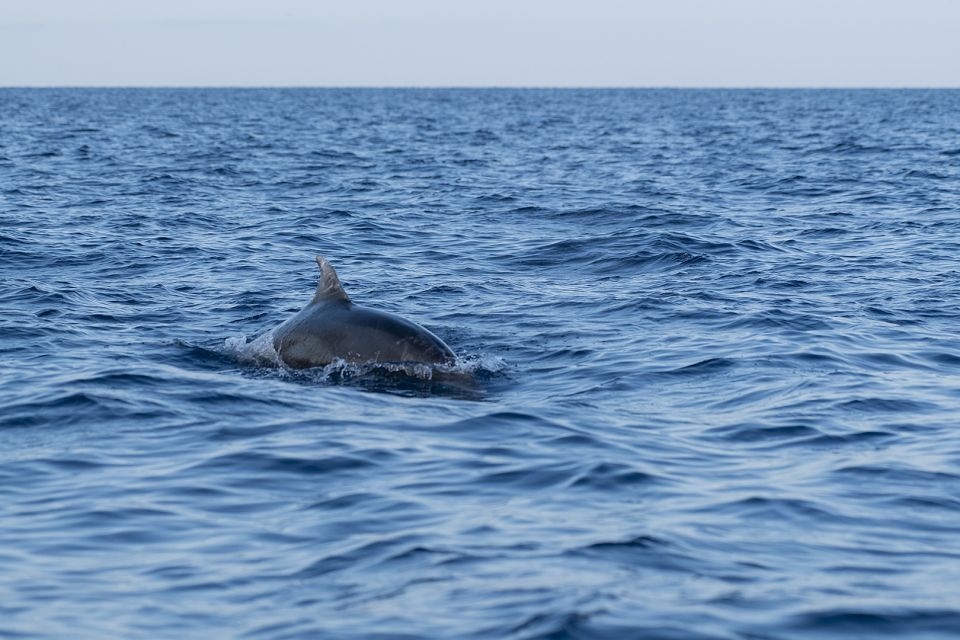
[329,289]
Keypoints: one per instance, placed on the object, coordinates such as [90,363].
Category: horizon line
[493,86]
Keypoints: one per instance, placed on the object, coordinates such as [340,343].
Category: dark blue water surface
[713,340]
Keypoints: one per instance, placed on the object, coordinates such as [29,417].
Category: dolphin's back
[332,328]
[326,331]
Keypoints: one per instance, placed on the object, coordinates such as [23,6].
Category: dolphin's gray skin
[331,327]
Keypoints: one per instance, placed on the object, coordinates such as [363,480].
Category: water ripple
[707,382]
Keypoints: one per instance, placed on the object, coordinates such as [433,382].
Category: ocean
[713,339]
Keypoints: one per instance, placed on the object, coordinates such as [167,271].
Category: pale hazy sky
[734,43]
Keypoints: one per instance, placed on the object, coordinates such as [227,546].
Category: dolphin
[332,328]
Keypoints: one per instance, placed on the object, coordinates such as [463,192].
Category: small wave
[66,407]
[710,365]
[885,622]
[644,261]
[886,405]
[779,319]
[748,433]
[926,175]
[252,462]
[608,476]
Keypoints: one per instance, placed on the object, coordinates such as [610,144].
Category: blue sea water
[714,337]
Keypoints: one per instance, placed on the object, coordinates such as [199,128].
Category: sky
[543,43]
